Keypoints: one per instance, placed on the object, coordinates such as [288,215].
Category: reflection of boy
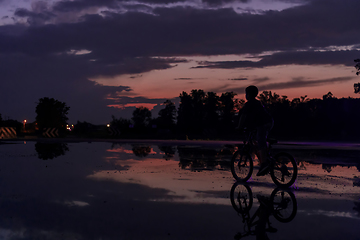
[263,214]
[255,117]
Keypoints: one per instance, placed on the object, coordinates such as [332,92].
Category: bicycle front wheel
[241,166]
[283,170]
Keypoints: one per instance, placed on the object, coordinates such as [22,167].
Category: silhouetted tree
[205,113]
[357,87]
[167,115]
[357,66]
[83,127]
[51,113]
[267,98]
[198,101]
[227,111]
[11,123]
[239,103]
[185,112]
[141,117]
[211,110]
[191,111]
[122,124]
[329,95]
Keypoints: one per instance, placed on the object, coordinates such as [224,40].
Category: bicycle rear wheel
[241,166]
[284,205]
[241,197]
[283,170]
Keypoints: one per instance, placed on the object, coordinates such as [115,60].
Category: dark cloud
[188,31]
[293,57]
[25,79]
[299,82]
[122,100]
[183,79]
[135,76]
[35,62]
[188,79]
[78,5]
[162,1]
[221,2]
[34,18]
[260,80]
[239,79]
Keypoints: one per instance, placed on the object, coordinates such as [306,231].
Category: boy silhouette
[255,117]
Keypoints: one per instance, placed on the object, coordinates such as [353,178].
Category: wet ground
[164,190]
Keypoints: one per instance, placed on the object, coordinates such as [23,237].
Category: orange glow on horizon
[149,106]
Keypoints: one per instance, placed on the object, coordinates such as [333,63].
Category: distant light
[25,121]
[108,125]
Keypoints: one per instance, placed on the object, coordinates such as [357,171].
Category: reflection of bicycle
[281,204]
[283,167]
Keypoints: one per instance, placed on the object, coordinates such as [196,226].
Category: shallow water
[105,190]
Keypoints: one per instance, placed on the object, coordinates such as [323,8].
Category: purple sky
[105,57]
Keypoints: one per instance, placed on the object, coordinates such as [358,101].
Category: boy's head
[251,92]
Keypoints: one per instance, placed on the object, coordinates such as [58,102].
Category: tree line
[204,115]
[207,115]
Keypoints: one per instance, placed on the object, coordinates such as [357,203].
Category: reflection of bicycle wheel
[284,205]
[284,170]
[241,166]
[241,197]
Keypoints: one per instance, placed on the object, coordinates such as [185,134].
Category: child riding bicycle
[254,116]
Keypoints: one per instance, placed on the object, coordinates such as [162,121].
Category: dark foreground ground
[169,190]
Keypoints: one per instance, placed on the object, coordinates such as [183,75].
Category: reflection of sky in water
[112,191]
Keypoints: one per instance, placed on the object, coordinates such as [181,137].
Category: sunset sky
[105,57]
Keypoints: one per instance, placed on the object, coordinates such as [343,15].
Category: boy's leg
[262,133]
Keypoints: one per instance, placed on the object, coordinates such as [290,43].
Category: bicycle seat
[271,140]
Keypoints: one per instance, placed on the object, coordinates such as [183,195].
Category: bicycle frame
[251,148]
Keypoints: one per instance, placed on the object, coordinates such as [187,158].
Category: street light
[24,124]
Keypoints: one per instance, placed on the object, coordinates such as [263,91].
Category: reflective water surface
[104,190]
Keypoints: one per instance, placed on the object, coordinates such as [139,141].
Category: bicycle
[282,205]
[283,167]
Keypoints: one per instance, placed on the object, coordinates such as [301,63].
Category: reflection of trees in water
[169,151]
[357,204]
[357,208]
[47,151]
[141,150]
[320,155]
[198,159]
[327,167]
